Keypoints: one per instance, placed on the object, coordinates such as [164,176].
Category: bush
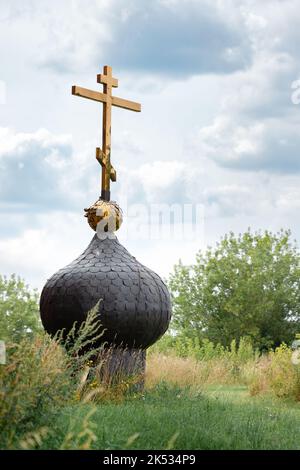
[19,310]
[283,375]
[274,372]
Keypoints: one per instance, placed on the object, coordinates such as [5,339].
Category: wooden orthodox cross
[103,155]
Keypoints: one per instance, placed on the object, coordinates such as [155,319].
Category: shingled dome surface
[134,304]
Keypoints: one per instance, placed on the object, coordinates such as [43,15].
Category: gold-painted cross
[103,155]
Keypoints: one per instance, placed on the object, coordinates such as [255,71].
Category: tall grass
[33,384]
[275,372]
[187,371]
[185,362]
[44,375]
[204,349]
[116,374]
[40,377]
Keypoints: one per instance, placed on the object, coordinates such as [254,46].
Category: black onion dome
[135,305]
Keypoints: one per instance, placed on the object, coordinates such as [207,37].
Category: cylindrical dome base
[116,365]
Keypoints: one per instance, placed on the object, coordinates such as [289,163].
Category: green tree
[19,310]
[248,285]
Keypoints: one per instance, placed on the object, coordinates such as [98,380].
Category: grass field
[53,400]
[223,417]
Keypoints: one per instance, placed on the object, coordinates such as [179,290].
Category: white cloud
[257,126]
[270,145]
[229,201]
[36,253]
[166,182]
[167,38]
[31,168]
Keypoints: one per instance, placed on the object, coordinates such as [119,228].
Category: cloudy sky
[219,128]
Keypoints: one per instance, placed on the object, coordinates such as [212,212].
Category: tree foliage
[248,285]
[19,310]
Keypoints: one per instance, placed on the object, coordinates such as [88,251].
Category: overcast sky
[218,125]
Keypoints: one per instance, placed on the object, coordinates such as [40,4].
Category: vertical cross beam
[106,130]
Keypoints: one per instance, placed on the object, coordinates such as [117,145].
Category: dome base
[118,364]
